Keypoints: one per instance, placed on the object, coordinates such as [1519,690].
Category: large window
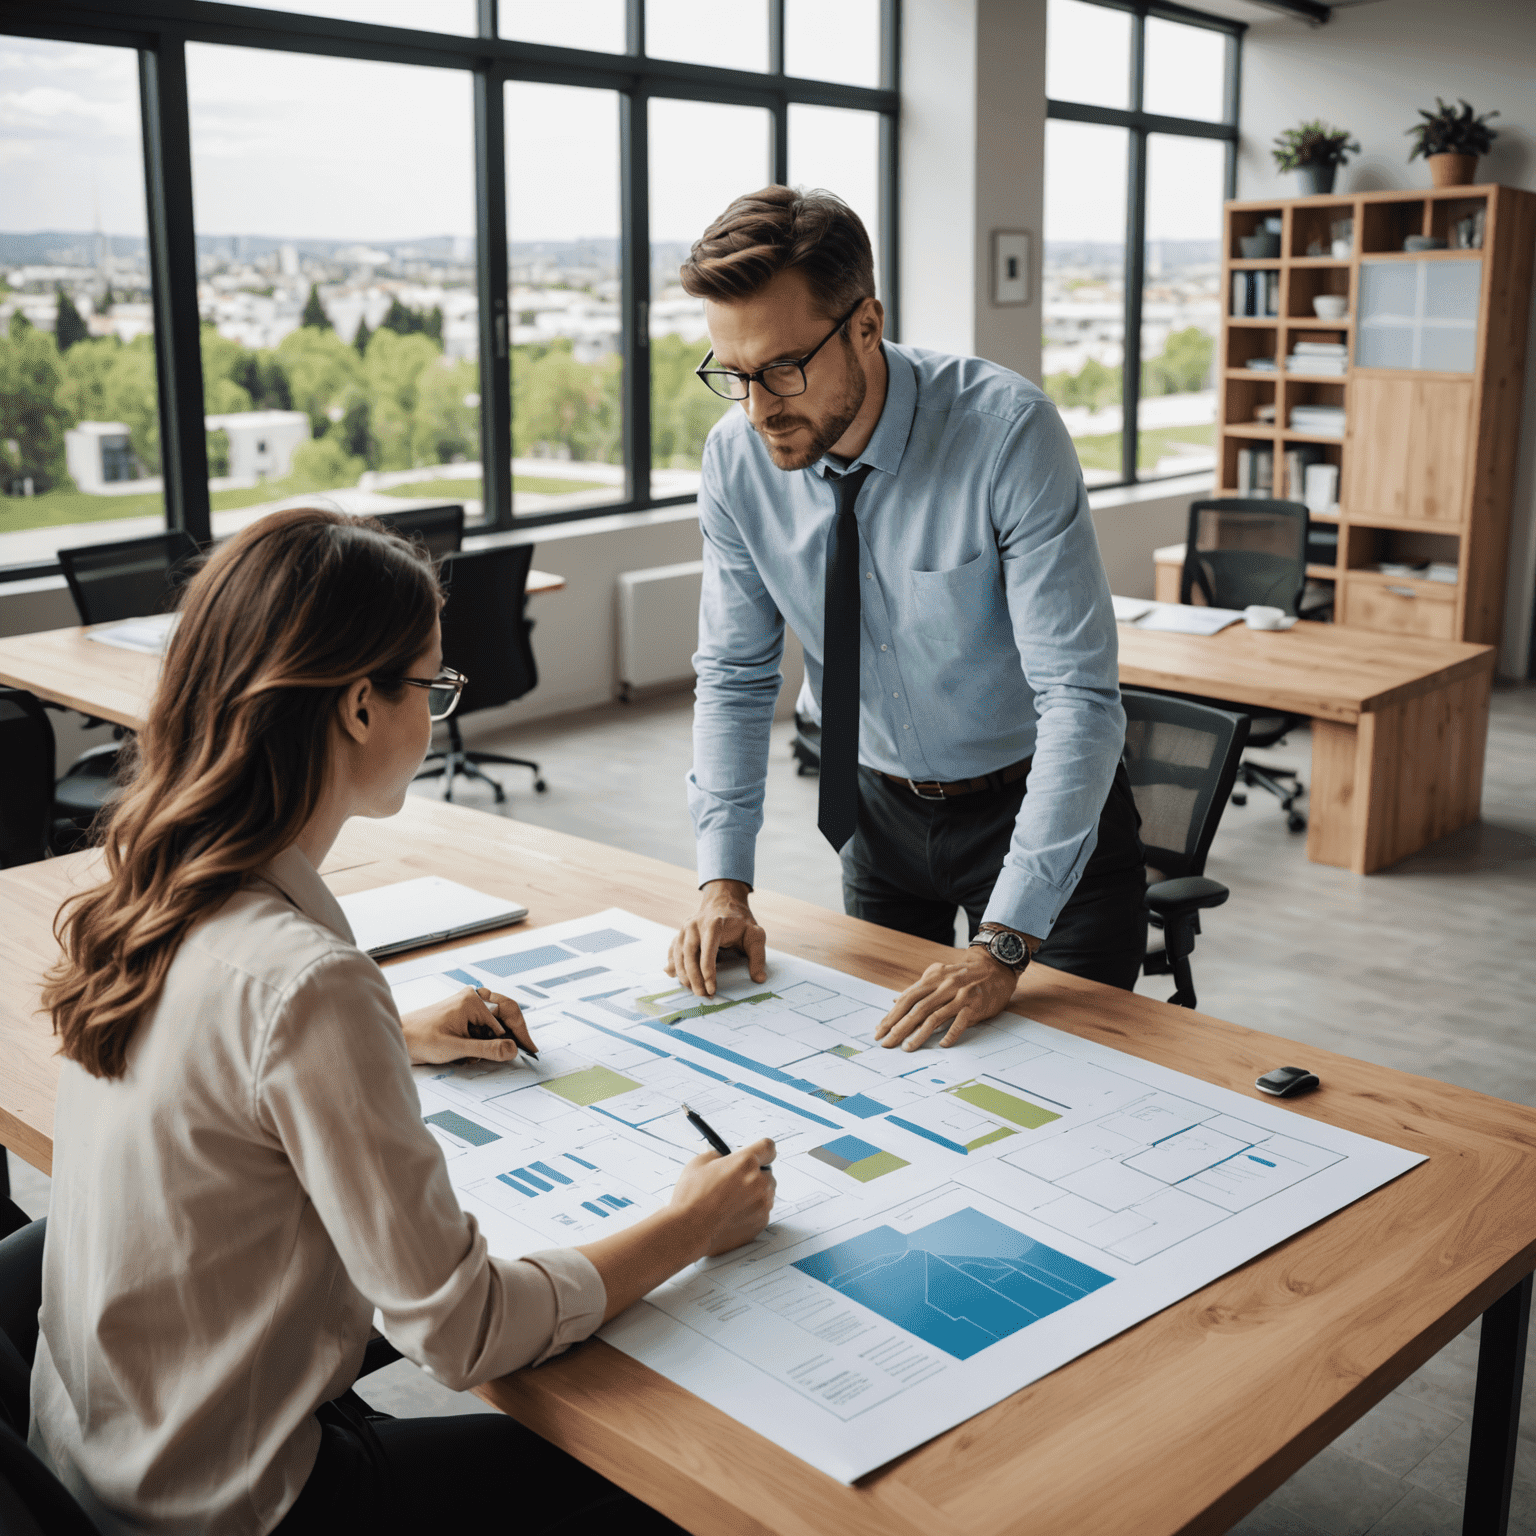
[1139,153]
[385,249]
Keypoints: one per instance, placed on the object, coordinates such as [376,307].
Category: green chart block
[1005,1106]
[591,1085]
[992,1136]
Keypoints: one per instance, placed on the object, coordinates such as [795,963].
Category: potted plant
[1314,151]
[1451,142]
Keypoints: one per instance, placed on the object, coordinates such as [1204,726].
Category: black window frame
[1139,124]
[159,30]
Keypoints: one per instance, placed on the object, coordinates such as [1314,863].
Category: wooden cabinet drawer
[1390,607]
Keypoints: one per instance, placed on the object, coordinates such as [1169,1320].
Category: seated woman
[241,1174]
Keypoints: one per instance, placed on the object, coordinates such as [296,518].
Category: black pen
[703,1127]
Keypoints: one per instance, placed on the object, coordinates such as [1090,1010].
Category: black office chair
[486,636]
[1239,551]
[32,1499]
[1182,758]
[26,778]
[439,529]
[111,582]
[128,579]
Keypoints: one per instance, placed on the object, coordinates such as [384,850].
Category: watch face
[1008,947]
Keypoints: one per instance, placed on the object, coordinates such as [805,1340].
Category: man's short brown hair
[778,229]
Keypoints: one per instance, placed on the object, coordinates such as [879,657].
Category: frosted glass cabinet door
[1419,315]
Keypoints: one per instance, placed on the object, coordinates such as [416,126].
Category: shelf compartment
[1244,396]
[1445,213]
[1385,225]
[1246,342]
[1248,221]
[1310,282]
[1366,547]
[1308,453]
[1312,225]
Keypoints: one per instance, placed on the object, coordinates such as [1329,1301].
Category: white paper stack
[1325,357]
[1318,420]
[1321,487]
[149,636]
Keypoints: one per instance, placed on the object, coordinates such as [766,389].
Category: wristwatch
[1005,946]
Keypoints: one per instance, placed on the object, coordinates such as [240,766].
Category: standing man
[921,521]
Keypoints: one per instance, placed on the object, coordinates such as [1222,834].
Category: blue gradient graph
[960,1283]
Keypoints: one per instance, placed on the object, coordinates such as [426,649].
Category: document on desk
[951,1225]
[149,636]
[1187,619]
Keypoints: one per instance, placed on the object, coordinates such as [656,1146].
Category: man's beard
[823,434]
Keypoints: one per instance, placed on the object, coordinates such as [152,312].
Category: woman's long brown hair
[232,762]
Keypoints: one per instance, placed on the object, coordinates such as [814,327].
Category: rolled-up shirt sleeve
[334,1086]
[1064,627]
[738,665]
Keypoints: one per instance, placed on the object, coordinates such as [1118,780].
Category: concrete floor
[1428,967]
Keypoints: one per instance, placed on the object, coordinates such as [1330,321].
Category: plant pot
[1316,180]
[1452,170]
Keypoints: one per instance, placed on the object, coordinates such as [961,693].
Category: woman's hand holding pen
[727,1200]
[474,1022]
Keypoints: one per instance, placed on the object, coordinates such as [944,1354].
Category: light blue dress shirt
[988,634]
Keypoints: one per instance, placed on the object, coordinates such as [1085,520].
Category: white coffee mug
[1257,616]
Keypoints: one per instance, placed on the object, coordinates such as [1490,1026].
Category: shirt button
[895,695]
[906,727]
[882,647]
[869,575]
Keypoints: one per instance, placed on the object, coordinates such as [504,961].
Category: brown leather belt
[931,789]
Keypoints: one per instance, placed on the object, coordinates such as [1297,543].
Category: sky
[309,147]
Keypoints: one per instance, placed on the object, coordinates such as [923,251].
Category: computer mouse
[1284,1082]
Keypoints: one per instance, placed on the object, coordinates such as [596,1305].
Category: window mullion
[173,285]
[491,283]
[1135,263]
[634,139]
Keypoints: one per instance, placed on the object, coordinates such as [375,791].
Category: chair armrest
[1188,894]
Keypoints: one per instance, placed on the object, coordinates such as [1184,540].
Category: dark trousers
[913,862]
[408,1476]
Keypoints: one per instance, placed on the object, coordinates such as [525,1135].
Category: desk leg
[1496,1413]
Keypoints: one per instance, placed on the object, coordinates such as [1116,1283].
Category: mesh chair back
[1182,759]
[129,579]
[1240,551]
[485,632]
[26,778]
[439,529]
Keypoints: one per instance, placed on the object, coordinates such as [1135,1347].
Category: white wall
[1368,70]
[972,161]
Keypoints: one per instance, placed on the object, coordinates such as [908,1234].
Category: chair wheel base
[1296,822]
[1239,799]
[539,786]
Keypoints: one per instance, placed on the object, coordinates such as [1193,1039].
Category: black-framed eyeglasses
[785,377]
[442,691]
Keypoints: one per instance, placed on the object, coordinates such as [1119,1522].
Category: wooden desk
[1399,724]
[1181,1424]
[65,667]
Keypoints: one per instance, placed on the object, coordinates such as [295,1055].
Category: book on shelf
[1298,461]
[1319,420]
[1255,293]
[1255,471]
[1326,357]
[1262,365]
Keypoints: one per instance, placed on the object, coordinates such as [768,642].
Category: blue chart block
[596,943]
[511,1183]
[549,1173]
[560,981]
[584,1163]
[794,1109]
[597,1210]
[644,1045]
[465,1130]
[960,1283]
[917,1130]
[532,1178]
[862,1106]
[615,1202]
[464,977]
[524,960]
[851,1148]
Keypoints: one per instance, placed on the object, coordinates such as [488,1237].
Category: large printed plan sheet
[951,1224]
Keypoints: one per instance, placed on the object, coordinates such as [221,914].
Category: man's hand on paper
[956,993]
[723,921]
[474,1022]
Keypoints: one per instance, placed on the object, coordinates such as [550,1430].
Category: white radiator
[658,626]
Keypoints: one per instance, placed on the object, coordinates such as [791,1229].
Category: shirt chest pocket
[957,603]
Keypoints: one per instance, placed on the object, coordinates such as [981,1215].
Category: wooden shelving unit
[1427,459]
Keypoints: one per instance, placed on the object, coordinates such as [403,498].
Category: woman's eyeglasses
[442,691]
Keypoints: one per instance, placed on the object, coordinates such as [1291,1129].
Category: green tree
[360,340]
[392,373]
[355,439]
[218,452]
[1184,365]
[323,373]
[131,396]
[32,422]
[86,373]
[314,311]
[559,403]
[70,326]
[323,465]
[221,359]
[682,409]
[446,428]
[261,376]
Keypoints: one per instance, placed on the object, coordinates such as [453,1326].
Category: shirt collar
[889,441]
[297,879]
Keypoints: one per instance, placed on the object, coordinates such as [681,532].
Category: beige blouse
[227,1216]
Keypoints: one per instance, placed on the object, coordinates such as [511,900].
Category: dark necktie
[837,812]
